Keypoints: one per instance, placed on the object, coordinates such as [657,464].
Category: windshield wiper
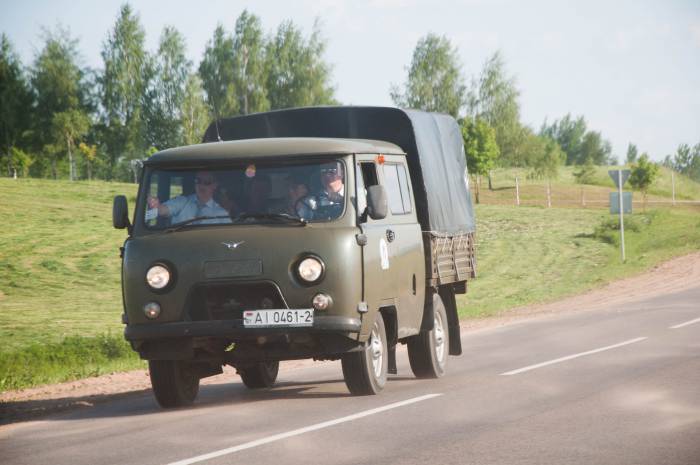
[280,217]
[182,224]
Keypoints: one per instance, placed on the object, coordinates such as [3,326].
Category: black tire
[428,350]
[174,383]
[365,372]
[260,375]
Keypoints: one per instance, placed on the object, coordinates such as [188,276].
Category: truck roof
[432,143]
[273,147]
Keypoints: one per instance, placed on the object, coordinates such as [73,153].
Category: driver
[201,203]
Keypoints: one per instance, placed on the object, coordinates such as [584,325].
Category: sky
[631,68]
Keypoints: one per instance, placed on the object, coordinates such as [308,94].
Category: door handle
[390,235]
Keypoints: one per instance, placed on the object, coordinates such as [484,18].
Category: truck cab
[251,251]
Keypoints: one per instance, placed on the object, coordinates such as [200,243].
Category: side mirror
[120,213]
[377,205]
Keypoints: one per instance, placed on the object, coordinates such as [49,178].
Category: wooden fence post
[517,192]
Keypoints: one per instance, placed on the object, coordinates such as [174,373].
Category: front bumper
[234,329]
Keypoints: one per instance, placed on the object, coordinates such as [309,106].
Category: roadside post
[673,188]
[620,202]
[517,192]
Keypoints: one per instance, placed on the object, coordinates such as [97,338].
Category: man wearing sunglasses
[200,204]
[329,202]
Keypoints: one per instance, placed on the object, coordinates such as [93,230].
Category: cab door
[394,268]
[379,280]
[405,245]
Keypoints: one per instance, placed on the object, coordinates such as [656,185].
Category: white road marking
[687,323]
[297,432]
[570,357]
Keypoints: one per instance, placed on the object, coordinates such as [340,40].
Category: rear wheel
[365,372]
[174,383]
[428,350]
[260,374]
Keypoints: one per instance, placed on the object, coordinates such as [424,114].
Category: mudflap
[447,294]
[392,361]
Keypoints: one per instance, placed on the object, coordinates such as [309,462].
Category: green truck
[331,233]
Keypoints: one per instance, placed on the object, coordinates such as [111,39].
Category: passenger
[296,191]
[328,203]
[200,204]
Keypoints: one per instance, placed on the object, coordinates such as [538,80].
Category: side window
[393,189]
[405,191]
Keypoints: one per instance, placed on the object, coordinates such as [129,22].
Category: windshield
[250,193]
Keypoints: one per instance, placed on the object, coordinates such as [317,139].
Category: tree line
[488,109]
[60,118]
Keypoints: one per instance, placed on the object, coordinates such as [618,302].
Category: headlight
[310,269]
[158,277]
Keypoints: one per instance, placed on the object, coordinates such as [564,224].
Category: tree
[493,97]
[480,148]
[90,154]
[297,73]
[15,105]
[20,161]
[435,81]
[57,80]
[124,82]
[70,125]
[682,158]
[686,160]
[631,153]
[250,73]
[195,116]
[167,90]
[545,162]
[217,73]
[585,174]
[643,174]
[569,134]
[595,149]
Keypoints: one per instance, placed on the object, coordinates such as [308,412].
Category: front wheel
[365,372]
[174,383]
[428,350]
[260,375]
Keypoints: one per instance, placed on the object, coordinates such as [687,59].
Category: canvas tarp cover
[432,142]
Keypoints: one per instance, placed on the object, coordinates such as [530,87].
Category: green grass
[60,294]
[566,192]
[529,255]
[74,357]
[60,291]
[59,260]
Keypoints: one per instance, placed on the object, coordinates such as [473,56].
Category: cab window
[394,177]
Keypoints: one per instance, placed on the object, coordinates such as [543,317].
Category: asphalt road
[619,385]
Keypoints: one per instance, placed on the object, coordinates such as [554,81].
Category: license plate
[281,317]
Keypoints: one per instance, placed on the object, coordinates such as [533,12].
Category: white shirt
[186,207]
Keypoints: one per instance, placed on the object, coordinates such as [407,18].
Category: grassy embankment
[566,193]
[60,301]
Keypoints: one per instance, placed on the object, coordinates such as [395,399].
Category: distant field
[60,300]
[567,193]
